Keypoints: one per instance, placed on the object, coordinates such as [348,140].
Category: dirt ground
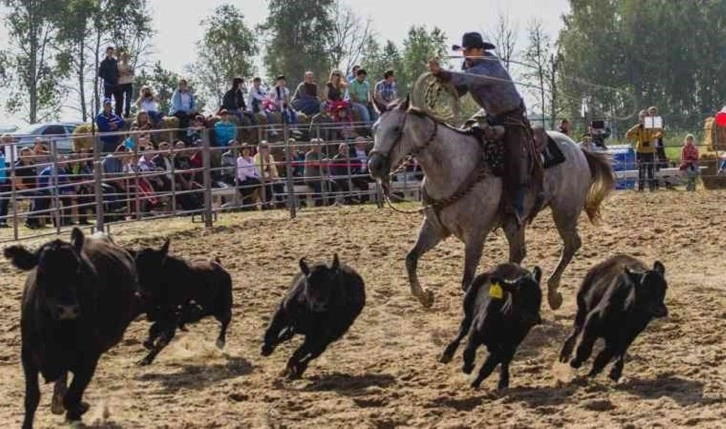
[384,373]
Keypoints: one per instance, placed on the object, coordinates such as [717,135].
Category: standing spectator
[360,96]
[109,72]
[281,99]
[25,181]
[661,159]
[316,173]
[5,188]
[107,122]
[644,151]
[385,91]
[126,82]
[183,105]
[248,176]
[266,166]
[224,130]
[149,103]
[564,127]
[234,101]
[689,162]
[305,99]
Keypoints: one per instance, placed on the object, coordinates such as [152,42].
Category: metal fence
[140,181]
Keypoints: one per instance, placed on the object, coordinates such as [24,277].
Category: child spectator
[689,162]
[224,130]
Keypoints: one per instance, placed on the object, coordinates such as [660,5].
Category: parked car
[7,128]
[60,132]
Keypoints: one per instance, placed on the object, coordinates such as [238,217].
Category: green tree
[32,64]
[376,60]
[226,50]
[350,36]
[419,47]
[162,83]
[541,73]
[298,34]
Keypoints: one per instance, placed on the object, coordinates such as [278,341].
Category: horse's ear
[336,262]
[304,267]
[405,103]
[77,239]
[164,251]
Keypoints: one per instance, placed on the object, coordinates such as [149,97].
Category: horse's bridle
[411,155]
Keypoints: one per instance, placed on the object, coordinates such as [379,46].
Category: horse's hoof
[427,299]
[575,364]
[56,405]
[555,300]
[467,369]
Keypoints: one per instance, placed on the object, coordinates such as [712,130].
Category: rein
[474,177]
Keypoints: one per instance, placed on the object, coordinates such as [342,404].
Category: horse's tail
[603,182]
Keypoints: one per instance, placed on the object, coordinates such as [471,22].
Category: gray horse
[450,160]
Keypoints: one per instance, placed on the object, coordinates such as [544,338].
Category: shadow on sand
[198,377]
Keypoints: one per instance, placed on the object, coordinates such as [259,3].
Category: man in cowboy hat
[490,85]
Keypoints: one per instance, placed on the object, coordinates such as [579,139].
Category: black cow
[616,301]
[79,298]
[322,303]
[502,306]
[177,292]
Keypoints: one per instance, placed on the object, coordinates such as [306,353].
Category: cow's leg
[317,347]
[276,332]
[292,370]
[32,390]
[601,360]
[164,340]
[59,392]
[485,371]
[75,408]
[617,371]
[225,318]
[450,350]
[507,356]
[428,237]
[587,341]
[516,239]
[475,340]
[569,345]
[154,331]
[223,313]
[566,222]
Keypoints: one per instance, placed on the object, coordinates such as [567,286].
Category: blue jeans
[309,106]
[289,116]
[363,113]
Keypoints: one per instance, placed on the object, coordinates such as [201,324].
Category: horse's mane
[418,112]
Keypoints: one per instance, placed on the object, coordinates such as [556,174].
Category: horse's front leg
[473,249]
[515,238]
[428,237]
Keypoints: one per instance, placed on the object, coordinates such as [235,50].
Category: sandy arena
[384,373]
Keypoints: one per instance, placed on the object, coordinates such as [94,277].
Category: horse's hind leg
[428,237]
[566,222]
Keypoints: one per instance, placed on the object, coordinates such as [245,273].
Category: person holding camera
[645,139]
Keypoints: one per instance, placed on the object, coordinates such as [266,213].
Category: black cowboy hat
[472,40]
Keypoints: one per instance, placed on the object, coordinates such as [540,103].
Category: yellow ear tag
[496,291]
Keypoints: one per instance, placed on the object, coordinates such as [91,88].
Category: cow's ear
[164,251]
[21,257]
[304,267]
[634,276]
[77,239]
[336,262]
[537,274]
[659,268]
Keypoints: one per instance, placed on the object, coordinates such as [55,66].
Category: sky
[177,22]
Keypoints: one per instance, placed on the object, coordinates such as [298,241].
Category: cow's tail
[603,182]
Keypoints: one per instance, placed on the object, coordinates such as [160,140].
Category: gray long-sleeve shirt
[489,84]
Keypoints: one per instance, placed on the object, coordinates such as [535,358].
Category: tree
[504,37]
[32,65]
[162,83]
[298,35]
[419,47]
[542,61]
[376,60]
[350,35]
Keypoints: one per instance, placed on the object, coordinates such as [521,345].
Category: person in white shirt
[149,103]
[248,175]
[281,98]
[255,102]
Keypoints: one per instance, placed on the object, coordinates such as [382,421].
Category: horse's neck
[448,161]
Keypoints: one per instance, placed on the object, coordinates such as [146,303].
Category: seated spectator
[48,188]
[281,103]
[165,164]
[196,160]
[564,127]
[41,151]
[234,102]
[224,130]
[385,91]
[5,185]
[267,167]
[114,166]
[82,193]
[361,178]
[353,73]
[333,94]
[229,163]
[196,131]
[359,92]
[248,177]
[341,170]
[316,173]
[146,165]
[148,103]
[296,159]
[256,102]
[184,178]
[689,162]
[143,123]
[183,105]
[305,99]
[107,122]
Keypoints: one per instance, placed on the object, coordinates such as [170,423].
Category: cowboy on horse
[490,85]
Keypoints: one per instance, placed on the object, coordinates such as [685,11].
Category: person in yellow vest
[645,139]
